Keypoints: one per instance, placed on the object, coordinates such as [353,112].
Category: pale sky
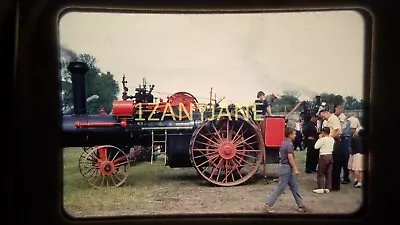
[236,54]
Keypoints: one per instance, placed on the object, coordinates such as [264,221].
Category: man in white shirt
[321,124]
[345,141]
[342,118]
[333,123]
[354,124]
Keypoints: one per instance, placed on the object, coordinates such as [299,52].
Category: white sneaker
[358,185]
[326,191]
[319,191]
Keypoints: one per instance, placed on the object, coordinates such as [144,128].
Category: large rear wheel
[227,152]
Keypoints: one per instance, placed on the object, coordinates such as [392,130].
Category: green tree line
[98,83]
[105,86]
[290,99]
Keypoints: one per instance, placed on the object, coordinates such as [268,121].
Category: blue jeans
[286,177]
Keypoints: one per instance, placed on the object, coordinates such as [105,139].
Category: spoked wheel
[110,166]
[85,167]
[227,152]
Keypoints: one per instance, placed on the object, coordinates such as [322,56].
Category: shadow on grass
[191,175]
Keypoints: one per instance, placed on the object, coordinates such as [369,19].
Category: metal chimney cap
[79,67]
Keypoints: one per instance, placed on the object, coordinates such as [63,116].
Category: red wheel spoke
[248,144]
[217,132]
[227,129]
[247,155]
[246,139]
[102,153]
[219,168]
[241,166]
[212,172]
[207,161]
[215,159]
[240,136]
[106,153]
[249,150]
[207,154]
[251,164]
[237,169]
[208,139]
[233,177]
[237,132]
[201,150]
[207,144]
[214,136]
[226,172]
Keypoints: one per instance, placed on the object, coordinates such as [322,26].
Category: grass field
[156,189]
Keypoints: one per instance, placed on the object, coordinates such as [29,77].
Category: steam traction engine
[226,146]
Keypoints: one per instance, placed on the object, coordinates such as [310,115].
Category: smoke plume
[67,54]
[258,67]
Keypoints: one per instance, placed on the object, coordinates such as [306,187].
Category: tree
[97,83]
[287,101]
[290,98]
[350,103]
[293,93]
[332,99]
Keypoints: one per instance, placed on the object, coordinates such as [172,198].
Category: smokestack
[318,100]
[78,71]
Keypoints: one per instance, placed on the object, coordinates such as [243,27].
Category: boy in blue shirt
[286,169]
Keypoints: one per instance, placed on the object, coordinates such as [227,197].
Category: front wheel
[109,165]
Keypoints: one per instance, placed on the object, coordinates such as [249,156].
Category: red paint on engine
[274,131]
[123,123]
[123,108]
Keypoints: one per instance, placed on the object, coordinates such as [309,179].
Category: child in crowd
[286,177]
[355,163]
[324,176]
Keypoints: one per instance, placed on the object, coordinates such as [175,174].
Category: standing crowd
[334,145]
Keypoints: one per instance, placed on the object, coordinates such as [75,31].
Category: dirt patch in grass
[155,189]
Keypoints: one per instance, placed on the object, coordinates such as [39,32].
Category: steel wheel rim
[236,158]
[85,167]
[110,166]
